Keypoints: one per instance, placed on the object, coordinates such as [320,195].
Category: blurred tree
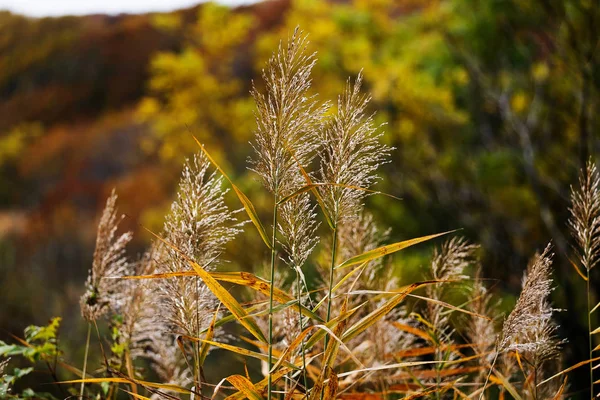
[203,89]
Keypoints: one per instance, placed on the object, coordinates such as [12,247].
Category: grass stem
[299,290]
[272,279]
[590,336]
[332,267]
[85,357]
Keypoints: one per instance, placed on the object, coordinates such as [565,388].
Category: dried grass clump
[356,330]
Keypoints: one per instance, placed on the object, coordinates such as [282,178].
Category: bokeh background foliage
[490,104]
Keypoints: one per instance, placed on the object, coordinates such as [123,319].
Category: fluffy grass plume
[109,261]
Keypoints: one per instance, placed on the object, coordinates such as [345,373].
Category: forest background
[491,107]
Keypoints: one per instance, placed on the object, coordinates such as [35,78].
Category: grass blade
[239,350]
[388,249]
[245,386]
[374,316]
[220,293]
[164,386]
[209,336]
[260,385]
[248,206]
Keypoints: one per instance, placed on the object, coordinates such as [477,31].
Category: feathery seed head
[585,216]
[480,331]
[287,118]
[448,264]
[109,260]
[350,155]
[529,327]
[298,227]
[199,226]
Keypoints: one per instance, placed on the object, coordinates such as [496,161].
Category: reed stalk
[272,281]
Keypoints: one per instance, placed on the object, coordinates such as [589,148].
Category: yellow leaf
[245,386]
[248,206]
[220,293]
[388,249]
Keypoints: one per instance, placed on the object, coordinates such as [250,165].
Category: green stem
[269,379]
[87,347]
[329,294]
[299,289]
[589,318]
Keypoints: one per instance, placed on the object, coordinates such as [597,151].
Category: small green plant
[39,345]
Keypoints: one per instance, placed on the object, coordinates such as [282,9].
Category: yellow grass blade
[230,302]
[339,284]
[576,268]
[595,307]
[312,186]
[240,278]
[450,306]
[316,193]
[245,386]
[239,350]
[297,341]
[254,282]
[374,316]
[135,395]
[571,368]
[560,391]
[388,249]
[507,385]
[220,293]
[331,324]
[260,385]
[209,336]
[173,388]
[248,206]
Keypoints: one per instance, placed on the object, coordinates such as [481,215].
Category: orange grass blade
[411,329]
